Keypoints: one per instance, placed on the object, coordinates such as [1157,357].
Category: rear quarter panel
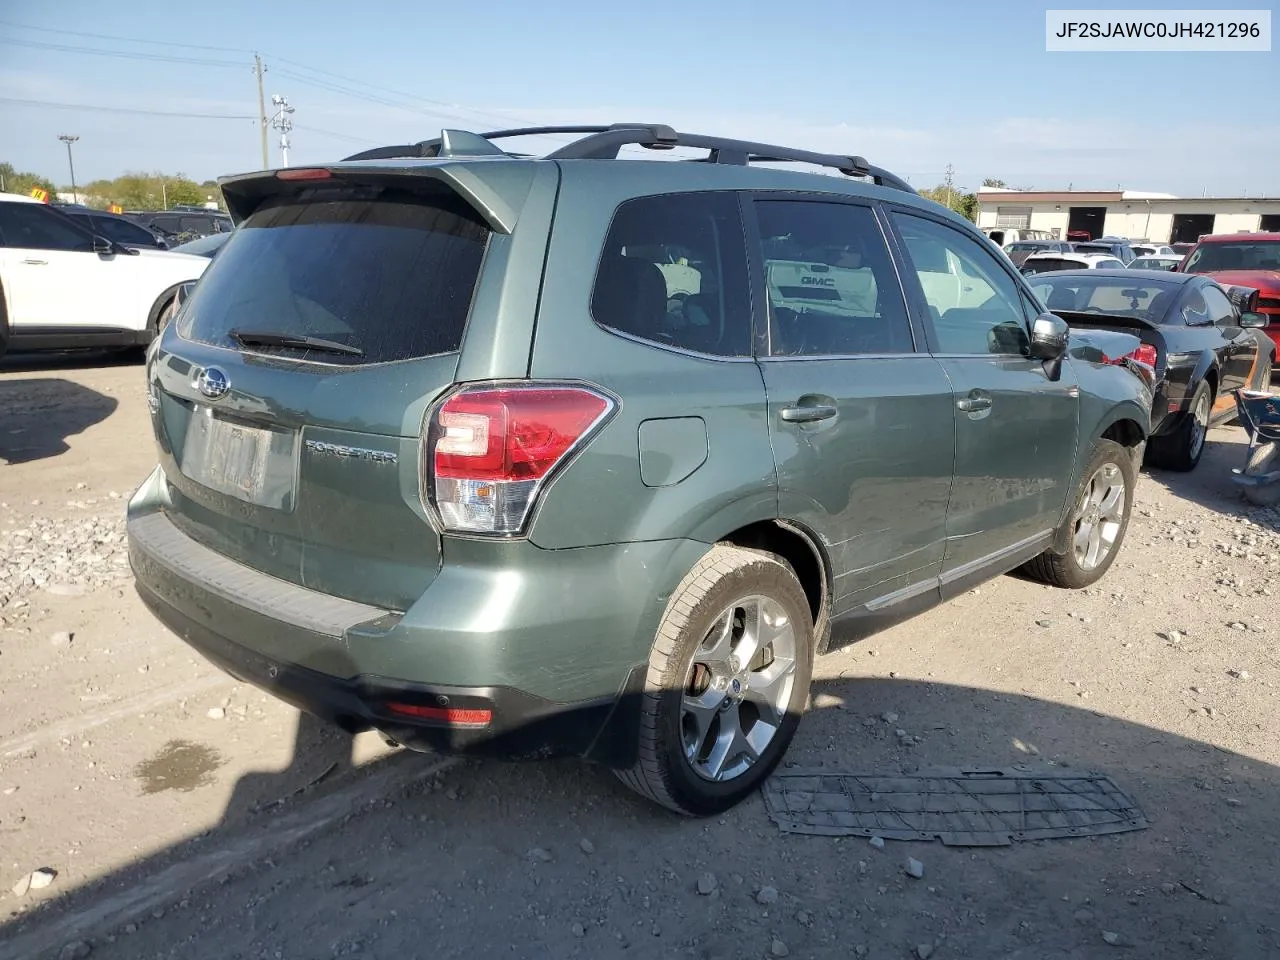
[699,423]
[1108,394]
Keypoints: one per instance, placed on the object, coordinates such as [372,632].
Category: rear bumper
[551,642]
[522,726]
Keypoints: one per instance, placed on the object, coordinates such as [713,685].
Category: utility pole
[282,122]
[69,139]
[258,71]
[949,180]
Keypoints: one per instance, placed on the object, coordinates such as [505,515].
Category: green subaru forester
[590,455]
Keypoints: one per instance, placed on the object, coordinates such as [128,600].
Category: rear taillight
[1145,354]
[489,450]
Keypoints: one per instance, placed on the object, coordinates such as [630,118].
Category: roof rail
[604,143]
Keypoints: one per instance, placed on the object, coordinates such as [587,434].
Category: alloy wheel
[738,687]
[1099,517]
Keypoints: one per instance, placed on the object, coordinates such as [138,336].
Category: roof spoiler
[496,193]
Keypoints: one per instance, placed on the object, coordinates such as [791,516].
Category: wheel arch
[802,550]
[153,317]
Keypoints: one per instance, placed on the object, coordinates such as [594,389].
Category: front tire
[1088,541]
[1181,449]
[727,682]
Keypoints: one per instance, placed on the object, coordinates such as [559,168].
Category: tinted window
[832,289]
[1220,308]
[1048,264]
[122,231]
[976,307]
[673,271]
[1109,265]
[391,276]
[1194,309]
[32,226]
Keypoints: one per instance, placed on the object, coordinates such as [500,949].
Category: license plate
[253,464]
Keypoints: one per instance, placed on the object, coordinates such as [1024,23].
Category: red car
[1243,260]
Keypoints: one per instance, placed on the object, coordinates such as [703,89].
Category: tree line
[132,190]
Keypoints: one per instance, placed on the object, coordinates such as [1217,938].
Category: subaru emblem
[213,383]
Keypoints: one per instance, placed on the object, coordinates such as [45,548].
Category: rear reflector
[303,174]
[489,450]
[454,716]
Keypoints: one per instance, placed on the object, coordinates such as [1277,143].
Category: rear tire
[1087,542]
[712,727]
[1182,448]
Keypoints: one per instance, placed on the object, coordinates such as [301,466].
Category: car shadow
[40,413]
[479,868]
[1210,484]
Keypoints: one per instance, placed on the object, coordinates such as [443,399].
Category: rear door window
[392,277]
[674,272]
[832,289]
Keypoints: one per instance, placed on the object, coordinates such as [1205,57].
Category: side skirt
[883,612]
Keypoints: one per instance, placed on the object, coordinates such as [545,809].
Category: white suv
[63,287]
[1047,261]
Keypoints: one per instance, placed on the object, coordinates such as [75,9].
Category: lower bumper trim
[523,726]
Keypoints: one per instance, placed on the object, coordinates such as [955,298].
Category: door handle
[973,404]
[808,414]
[37,263]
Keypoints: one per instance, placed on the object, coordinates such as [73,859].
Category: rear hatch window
[351,280]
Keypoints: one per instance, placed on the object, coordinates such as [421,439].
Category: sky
[913,86]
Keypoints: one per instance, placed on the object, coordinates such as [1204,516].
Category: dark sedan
[1203,341]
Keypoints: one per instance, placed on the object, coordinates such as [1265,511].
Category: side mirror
[1049,335]
[1254,320]
[102,245]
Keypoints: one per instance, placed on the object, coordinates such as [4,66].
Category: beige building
[1159,217]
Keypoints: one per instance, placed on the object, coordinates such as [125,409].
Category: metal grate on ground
[958,807]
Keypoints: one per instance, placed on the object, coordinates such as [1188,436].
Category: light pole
[69,139]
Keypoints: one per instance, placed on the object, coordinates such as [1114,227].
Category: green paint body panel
[671,449]
[565,625]
[898,489]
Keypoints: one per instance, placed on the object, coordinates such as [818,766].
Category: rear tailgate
[300,459]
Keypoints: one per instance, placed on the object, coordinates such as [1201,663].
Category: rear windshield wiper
[266,338]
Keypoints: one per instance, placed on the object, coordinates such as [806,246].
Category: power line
[100,108]
[121,54]
[505,118]
[403,101]
[108,36]
[329,133]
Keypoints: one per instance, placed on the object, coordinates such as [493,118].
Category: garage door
[1013,218]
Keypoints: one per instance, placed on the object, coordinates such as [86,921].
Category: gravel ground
[122,757]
